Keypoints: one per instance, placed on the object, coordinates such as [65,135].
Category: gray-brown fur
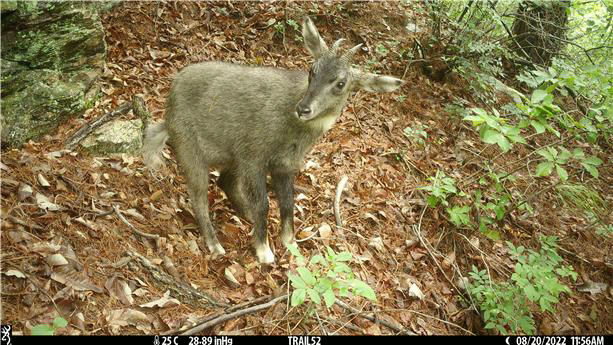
[251,122]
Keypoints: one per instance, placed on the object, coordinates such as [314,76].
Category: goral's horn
[336,45]
[351,52]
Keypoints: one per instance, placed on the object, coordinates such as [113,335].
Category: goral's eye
[340,84]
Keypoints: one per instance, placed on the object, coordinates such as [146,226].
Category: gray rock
[52,52]
[119,136]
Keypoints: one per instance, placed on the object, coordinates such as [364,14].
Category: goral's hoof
[264,255]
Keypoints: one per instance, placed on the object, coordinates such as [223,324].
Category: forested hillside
[475,199]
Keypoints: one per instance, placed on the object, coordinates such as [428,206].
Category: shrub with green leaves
[416,135]
[494,129]
[325,276]
[441,188]
[506,306]
[556,159]
[44,329]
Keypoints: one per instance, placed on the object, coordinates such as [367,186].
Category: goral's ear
[375,83]
[312,40]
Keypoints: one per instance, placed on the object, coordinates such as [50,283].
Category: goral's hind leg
[197,175]
[234,190]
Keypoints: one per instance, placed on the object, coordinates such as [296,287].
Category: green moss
[39,107]
[47,69]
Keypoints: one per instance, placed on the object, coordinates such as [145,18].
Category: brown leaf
[230,277]
[14,273]
[325,231]
[163,302]
[449,260]
[133,213]
[376,243]
[119,289]
[78,320]
[45,248]
[69,277]
[170,267]
[24,191]
[156,195]
[45,204]
[128,317]
[249,278]
[56,260]
[42,181]
[373,330]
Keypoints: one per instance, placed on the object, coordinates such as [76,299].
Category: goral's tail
[155,139]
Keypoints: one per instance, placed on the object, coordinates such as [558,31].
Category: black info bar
[9,339]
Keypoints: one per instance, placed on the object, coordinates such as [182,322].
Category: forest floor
[400,246]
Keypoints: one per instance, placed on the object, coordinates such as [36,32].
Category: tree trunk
[539,30]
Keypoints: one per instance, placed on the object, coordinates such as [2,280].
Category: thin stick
[135,230]
[21,222]
[226,317]
[374,319]
[337,199]
[347,325]
[426,244]
[437,319]
[225,311]
[91,126]
[309,237]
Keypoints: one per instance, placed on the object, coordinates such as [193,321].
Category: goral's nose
[303,110]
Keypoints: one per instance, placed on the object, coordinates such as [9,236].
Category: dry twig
[374,319]
[337,200]
[135,230]
[93,125]
[223,318]
[29,225]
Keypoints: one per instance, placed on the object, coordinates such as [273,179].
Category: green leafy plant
[279,27]
[506,306]
[588,200]
[293,24]
[493,129]
[325,277]
[441,188]
[555,159]
[459,215]
[416,135]
[494,208]
[539,110]
[45,329]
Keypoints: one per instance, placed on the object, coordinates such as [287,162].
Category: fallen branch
[224,312]
[93,125]
[374,319]
[180,290]
[135,230]
[223,318]
[104,213]
[337,200]
[22,223]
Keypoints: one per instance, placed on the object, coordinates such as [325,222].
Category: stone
[118,136]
